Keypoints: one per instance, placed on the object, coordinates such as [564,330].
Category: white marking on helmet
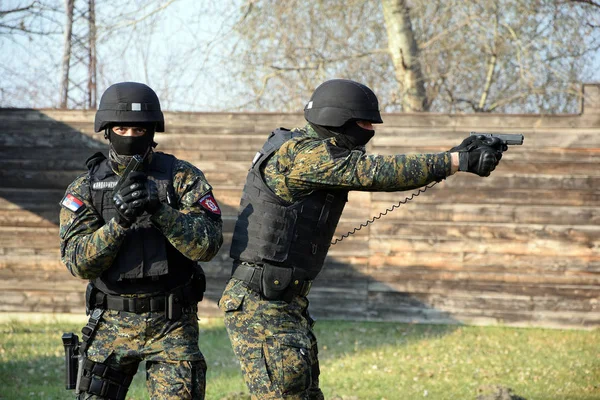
[309,105]
[136,106]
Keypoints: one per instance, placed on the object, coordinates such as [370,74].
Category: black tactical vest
[271,231]
[146,261]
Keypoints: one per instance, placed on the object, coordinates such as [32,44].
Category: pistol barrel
[507,138]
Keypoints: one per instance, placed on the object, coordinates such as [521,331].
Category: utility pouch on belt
[275,281]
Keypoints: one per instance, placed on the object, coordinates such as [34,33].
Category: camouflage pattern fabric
[274,342]
[89,246]
[175,367]
[309,163]
[273,339]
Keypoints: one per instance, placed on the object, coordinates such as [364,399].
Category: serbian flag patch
[71,202]
[210,204]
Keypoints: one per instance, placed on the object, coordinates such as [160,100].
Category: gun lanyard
[387,210]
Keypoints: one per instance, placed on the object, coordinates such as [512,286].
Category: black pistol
[508,139]
[134,165]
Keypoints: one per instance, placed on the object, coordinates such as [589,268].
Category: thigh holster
[101,380]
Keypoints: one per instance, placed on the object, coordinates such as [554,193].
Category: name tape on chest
[72,203]
[210,204]
[102,185]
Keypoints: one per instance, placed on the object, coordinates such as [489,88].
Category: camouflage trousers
[274,342]
[175,367]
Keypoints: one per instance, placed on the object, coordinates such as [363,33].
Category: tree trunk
[66,60]
[405,55]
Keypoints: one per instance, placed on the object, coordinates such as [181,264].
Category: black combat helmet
[338,101]
[129,102]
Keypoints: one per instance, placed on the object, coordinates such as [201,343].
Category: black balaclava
[122,148]
[356,135]
[350,134]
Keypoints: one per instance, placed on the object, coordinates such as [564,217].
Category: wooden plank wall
[521,247]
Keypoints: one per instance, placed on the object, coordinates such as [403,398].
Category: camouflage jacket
[309,163]
[89,245]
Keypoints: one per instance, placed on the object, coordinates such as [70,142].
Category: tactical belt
[251,274]
[180,300]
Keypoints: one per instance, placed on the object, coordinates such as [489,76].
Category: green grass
[358,361]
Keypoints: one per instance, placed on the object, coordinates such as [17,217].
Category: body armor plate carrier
[145,257]
[271,231]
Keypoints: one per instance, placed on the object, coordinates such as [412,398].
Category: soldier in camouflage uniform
[293,198]
[139,248]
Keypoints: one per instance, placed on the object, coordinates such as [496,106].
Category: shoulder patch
[72,203]
[209,203]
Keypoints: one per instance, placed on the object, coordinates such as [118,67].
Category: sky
[155,51]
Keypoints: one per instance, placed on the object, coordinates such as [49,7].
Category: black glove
[479,154]
[153,200]
[475,141]
[132,199]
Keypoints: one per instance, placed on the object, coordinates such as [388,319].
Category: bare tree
[589,2]
[166,44]
[518,56]
[30,17]
[448,56]
[34,33]
[593,17]
[284,49]
[404,52]
[28,29]
[418,55]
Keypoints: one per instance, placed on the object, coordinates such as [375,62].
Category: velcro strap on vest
[104,381]
[252,276]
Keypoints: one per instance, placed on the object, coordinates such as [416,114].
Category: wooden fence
[521,247]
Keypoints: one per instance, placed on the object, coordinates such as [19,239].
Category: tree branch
[324,60]
[110,29]
[16,10]
[590,2]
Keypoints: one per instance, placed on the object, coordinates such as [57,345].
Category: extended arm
[305,165]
